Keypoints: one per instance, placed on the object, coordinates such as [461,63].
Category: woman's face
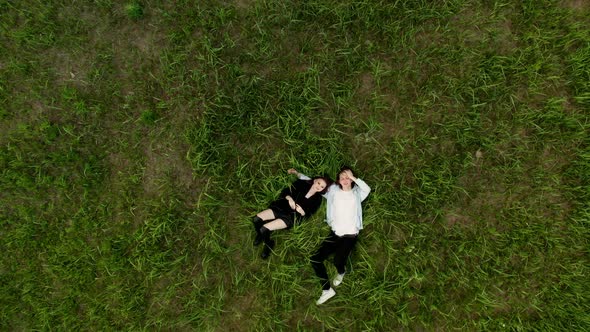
[319,184]
[344,180]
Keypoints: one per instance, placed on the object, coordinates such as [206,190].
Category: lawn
[137,139]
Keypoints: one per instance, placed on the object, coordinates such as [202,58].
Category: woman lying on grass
[297,202]
[345,216]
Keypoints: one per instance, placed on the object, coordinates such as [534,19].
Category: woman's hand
[292,171]
[299,210]
[349,174]
[291,202]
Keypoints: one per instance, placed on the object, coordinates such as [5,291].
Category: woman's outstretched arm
[301,176]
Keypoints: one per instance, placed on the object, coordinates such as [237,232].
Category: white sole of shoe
[326,296]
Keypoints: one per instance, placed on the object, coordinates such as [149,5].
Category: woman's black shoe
[258,239]
[257,225]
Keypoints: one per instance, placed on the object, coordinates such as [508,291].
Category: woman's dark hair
[344,168]
[326,179]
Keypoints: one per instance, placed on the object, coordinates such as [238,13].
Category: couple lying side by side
[301,200]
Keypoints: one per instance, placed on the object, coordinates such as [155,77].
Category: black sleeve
[286,192]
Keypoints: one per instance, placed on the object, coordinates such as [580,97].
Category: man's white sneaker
[326,295]
[338,279]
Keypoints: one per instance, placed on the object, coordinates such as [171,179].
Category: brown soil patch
[367,84]
[576,4]
[552,160]
[36,113]
[265,71]
[429,37]
[165,164]
[118,162]
[243,4]
[476,26]
[455,219]
[131,44]
[393,233]
[70,68]
[506,36]
[238,309]
[163,300]
[486,197]
[490,196]
[384,123]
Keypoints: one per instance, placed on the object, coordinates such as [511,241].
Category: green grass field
[138,138]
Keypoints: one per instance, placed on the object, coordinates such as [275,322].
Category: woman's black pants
[340,246]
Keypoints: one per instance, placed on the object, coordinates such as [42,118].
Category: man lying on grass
[345,216]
